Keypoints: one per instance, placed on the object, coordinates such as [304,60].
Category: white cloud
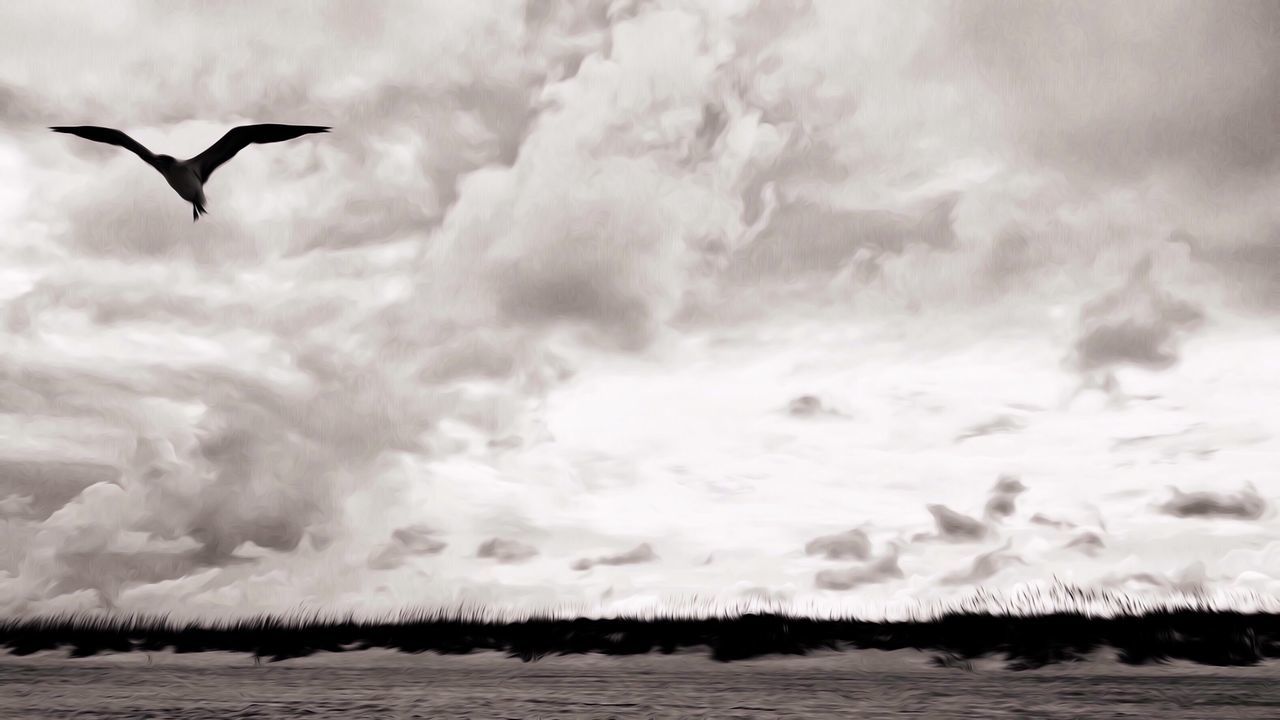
[559,266]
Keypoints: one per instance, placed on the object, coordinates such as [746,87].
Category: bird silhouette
[187,177]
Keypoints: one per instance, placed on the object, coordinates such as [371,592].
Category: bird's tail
[197,209]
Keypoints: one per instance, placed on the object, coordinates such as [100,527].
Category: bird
[187,177]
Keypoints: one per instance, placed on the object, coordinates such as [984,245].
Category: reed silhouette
[1193,630]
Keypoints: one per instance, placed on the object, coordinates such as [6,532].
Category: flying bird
[187,177]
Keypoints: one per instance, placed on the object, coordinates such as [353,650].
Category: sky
[623,306]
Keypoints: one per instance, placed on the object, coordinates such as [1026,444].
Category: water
[382,684]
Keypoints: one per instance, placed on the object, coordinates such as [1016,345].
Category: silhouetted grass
[1139,631]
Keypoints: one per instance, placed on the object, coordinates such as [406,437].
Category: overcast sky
[607,304]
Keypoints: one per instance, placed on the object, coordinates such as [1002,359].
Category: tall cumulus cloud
[515,193]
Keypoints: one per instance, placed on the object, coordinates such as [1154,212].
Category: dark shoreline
[1205,637]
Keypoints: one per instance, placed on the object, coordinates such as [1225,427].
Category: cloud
[109,572]
[1094,101]
[1243,505]
[245,367]
[1041,519]
[418,539]
[1138,324]
[1247,265]
[406,542]
[1004,494]
[999,424]
[1197,440]
[506,551]
[1089,543]
[1008,485]
[808,406]
[48,484]
[805,239]
[641,553]
[851,544]
[17,106]
[385,326]
[14,504]
[376,176]
[1191,580]
[956,527]
[985,566]
[878,571]
[805,406]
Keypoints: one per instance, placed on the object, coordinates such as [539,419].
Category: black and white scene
[639,359]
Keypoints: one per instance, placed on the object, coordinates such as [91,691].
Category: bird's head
[165,161]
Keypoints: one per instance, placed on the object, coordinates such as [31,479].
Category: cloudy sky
[617,304]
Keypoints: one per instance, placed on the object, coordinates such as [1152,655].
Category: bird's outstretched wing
[239,138]
[111,137]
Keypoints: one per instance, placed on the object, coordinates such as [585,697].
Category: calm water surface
[381,684]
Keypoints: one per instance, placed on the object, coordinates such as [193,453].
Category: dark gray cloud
[1012,255]
[1003,500]
[849,545]
[805,406]
[956,527]
[1243,505]
[808,406]
[641,553]
[804,239]
[1000,506]
[1089,543]
[109,573]
[510,442]
[1008,485]
[985,566]
[406,542]
[47,485]
[1139,324]
[506,551]
[418,539]
[878,571]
